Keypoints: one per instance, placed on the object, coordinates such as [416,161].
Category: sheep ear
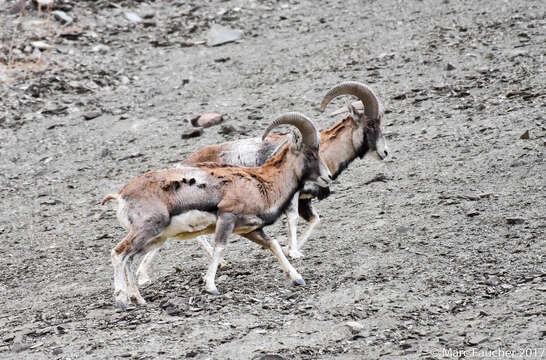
[351,109]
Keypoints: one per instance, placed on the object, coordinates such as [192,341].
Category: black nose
[386,153]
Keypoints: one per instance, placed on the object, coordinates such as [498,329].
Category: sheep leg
[125,289]
[120,284]
[307,212]
[224,227]
[202,240]
[292,220]
[137,241]
[142,273]
[119,261]
[132,293]
[259,237]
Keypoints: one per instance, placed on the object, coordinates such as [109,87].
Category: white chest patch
[189,222]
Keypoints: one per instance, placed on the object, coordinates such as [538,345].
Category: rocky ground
[443,258]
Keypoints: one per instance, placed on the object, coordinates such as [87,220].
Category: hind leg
[120,284]
[143,270]
[138,241]
[132,288]
[202,240]
[130,291]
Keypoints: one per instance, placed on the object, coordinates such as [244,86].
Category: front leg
[307,212]
[292,220]
[259,237]
[224,227]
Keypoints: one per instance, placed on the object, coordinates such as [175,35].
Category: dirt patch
[444,253]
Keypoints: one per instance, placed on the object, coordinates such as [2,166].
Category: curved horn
[306,127]
[372,105]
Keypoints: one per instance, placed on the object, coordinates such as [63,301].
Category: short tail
[109,197]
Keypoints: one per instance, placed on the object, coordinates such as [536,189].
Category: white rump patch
[189,222]
[122,213]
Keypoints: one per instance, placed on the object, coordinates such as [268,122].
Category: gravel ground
[443,258]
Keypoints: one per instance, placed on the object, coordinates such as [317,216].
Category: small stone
[193,132]
[100,48]
[92,115]
[472,213]
[219,35]
[514,220]
[354,326]
[222,59]
[42,45]
[18,347]
[148,14]
[480,107]
[105,152]
[226,129]
[478,339]
[450,67]
[191,354]
[62,17]
[271,357]
[49,202]
[46,3]
[207,120]
[57,351]
[132,17]
[493,281]
[525,135]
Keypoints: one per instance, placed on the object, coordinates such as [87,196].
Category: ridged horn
[372,105]
[306,127]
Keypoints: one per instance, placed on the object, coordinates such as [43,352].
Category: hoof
[142,280]
[214,292]
[122,300]
[299,282]
[295,254]
[139,300]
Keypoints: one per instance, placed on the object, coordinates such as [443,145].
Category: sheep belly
[190,224]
